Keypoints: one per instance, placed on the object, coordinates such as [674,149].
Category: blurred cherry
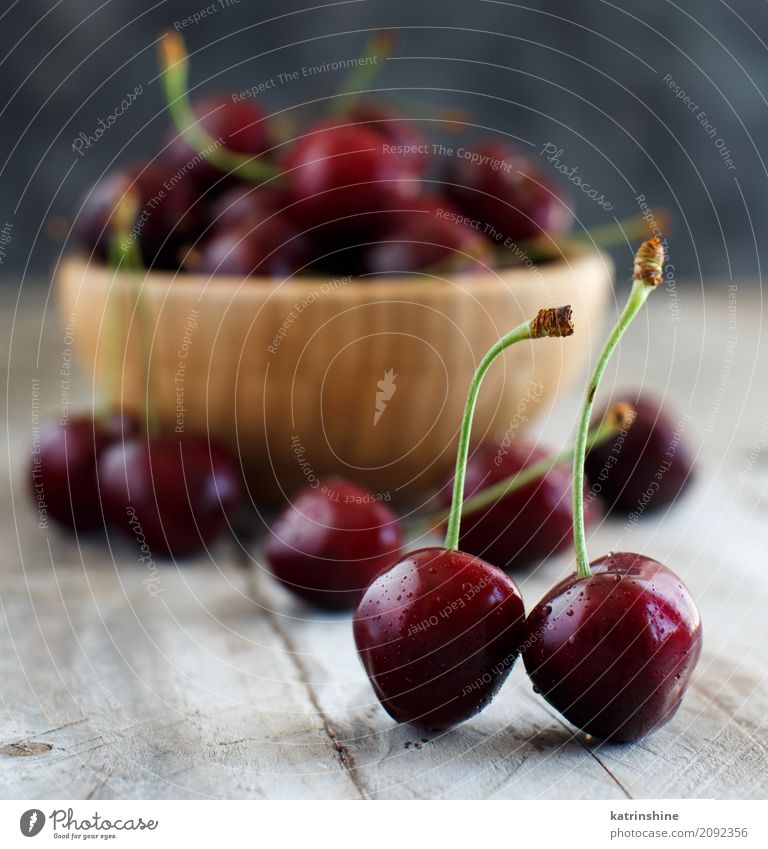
[63,473]
[169,213]
[272,248]
[245,203]
[425,241]
[331,541]
[340,174]
[502,187]
[523,528]
[645,467]
[399,131]
[178,492]
[241,126]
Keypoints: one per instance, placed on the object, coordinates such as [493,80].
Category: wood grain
[223,686]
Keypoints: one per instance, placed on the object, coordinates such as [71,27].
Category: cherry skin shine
[614,652]
[438,635]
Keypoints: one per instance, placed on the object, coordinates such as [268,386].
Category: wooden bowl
[314,376]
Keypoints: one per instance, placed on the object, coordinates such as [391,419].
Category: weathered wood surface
[222,686]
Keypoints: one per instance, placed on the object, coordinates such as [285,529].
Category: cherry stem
[356,83]
[602,236]
[174,65]
[619,418]
[548,322]
[648,274]
[453,118]
[123,252]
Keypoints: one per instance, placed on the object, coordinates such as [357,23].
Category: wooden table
[222,686]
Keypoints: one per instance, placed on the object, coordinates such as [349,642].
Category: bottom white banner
[542,824]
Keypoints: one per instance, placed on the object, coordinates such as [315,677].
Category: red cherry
[438,634]
[272,248]
[614,652]
[241,127]
[425,241]
[245,202]
[168,213]
[342,175]
[63,472]
[331,541]
[503,188]
[526,526]
[645,467]
[399,132]
[179,493]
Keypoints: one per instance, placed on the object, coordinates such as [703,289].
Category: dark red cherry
[645,467]
[424,241]
[63,472]
[342,174]
[241,126]
[500,186]
[438,634]
[245,202]
[331,541]
[271,248]
[614,652]
[525,527]
[168,212]
[399,132]
[176,493]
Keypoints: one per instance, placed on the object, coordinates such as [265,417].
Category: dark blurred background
[600,81]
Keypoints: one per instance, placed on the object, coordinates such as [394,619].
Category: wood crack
[576,736]
[341,752]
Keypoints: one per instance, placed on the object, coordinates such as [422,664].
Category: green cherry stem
[601,236]
[647,275]
[553,322]
[174,66]
[357,81]
[617,419]
[123,254]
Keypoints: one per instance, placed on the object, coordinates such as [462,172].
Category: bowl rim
[572,260]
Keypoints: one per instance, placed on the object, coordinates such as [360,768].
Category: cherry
[341,174]
[331,541]
[614,652]
[179,492]
[644,468]
[272,248]
[398,131]
[168,213]
[244,202]
[439,632]
[63,473]
[613,647]
[524,527]
[240,126]
[498,185]
[422,241]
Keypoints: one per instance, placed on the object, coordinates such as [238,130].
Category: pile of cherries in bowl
[362,194]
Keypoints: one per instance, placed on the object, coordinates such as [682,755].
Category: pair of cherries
[178,493]
[612,647]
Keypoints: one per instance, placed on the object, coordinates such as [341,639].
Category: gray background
[587,76]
